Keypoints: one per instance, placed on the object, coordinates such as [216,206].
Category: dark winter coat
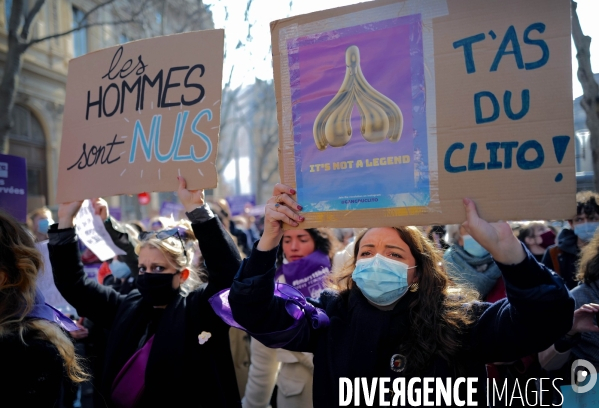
[361,339]
[180,371]
[568,256]
[31,373]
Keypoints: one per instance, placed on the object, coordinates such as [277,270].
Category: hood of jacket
[567,241]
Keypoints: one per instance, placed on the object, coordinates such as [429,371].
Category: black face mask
[157,288]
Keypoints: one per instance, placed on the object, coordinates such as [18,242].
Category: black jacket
[361,339]
[31,374]
[180,371]
[568,256]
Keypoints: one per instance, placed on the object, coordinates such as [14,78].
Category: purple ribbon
[42,310]
[296,305]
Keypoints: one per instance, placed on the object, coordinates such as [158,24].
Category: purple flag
[307,274]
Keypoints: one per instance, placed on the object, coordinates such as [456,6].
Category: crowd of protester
[508,301]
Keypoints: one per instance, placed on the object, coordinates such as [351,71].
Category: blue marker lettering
[448,167]
[472,166]
[478,110]
[510,37]
[507,96]
[507,157]
[467,44]
[530,164]
[493,163]
[206,139]
[146,144]
[540,27]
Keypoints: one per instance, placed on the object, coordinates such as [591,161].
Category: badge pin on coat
[203,337]
[381,117]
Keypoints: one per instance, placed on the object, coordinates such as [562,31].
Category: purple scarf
[130,383]
[307,274]
[296,305]
[42,310]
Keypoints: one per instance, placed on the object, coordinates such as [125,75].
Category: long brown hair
[20,262]
[588,267]
[438,314]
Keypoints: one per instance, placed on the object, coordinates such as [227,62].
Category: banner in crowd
[91,231]
[390,112]
[175,211]
[13,186]
[239,203]
[140,114]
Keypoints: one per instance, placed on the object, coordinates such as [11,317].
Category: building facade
[41,90]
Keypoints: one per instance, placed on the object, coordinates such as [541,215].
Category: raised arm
[97,302]
[252,300]
[538,309]
[216,245]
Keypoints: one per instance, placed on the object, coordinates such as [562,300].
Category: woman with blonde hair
[166,347]
[395,313]
[36,353]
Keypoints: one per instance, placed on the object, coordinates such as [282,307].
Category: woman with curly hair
[305,263]
[395,314]
[36,354]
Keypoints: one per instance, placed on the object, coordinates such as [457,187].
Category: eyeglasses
[164,234]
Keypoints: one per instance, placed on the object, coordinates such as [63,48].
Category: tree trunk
[590,89]
[8,88]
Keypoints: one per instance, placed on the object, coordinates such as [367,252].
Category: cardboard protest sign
[390,112]
[13,186]
[140,114]
[91,231]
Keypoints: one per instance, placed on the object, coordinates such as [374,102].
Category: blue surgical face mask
[473,247]
[382,281]
[586,230]
[119,269]
[44,225]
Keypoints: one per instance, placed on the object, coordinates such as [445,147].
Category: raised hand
[497,238]
[584,319]
[67,213]
[100,208]
[280,208]
[191,199]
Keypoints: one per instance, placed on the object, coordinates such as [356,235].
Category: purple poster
[238,203]
[359,114]
[168,209]
[13,186]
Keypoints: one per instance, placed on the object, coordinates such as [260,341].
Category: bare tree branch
[29,19]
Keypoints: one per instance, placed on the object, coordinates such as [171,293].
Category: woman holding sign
[394,315]
[305,263]
[166,347]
